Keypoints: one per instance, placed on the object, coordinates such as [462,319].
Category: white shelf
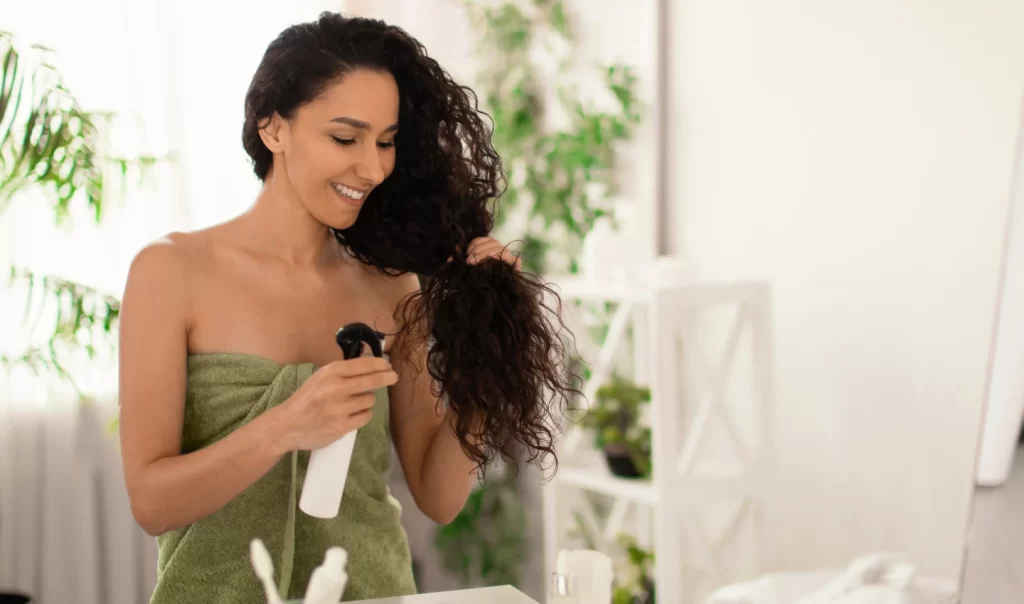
[707,485]
[689,476]
[601,480]
[575,287]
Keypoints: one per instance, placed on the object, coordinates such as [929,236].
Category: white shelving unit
[710,455]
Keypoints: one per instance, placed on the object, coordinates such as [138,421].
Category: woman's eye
[344,141]
[386,145]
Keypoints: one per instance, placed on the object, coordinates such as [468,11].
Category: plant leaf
[49,142]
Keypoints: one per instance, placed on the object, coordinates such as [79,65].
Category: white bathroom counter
[505,594]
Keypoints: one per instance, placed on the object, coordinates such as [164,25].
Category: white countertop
[506,594]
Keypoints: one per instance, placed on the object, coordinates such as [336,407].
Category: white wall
[857,154]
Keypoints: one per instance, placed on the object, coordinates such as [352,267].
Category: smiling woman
[377,175]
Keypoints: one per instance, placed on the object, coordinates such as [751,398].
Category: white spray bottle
[328,467]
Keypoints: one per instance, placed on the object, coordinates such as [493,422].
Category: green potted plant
[561,178]
[637,584]
[615,419]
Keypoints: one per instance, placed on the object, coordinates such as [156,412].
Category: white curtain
[175,73]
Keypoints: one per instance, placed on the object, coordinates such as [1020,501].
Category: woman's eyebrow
[360,124]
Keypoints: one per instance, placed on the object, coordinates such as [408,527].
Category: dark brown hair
[495,338]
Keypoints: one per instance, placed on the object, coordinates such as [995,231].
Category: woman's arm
[169,490]
[440,475]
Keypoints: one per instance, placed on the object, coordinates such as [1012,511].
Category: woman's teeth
[350,193]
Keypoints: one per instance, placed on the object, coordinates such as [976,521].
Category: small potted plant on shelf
[637,587]
[615,420]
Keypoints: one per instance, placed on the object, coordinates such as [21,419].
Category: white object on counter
[563,583]
[590,572]
[326,475]
[264,567]
[328,581]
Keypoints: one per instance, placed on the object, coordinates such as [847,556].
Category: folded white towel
[878,578]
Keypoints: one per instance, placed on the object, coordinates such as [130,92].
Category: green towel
[208,560]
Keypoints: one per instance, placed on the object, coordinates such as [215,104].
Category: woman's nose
[370,167]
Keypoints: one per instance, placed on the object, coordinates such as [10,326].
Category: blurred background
[785,231]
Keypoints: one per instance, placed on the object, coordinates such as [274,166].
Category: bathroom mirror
[801,334]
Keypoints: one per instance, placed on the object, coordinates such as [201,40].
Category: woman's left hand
[489,247]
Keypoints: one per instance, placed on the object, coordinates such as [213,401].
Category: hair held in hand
[494,334]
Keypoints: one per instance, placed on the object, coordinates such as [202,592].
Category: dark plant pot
[648,596]
[620,462]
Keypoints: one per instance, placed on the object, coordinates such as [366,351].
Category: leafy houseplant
[614,418]
[50,145]
[560,178]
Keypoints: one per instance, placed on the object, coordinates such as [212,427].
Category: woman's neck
[281,226]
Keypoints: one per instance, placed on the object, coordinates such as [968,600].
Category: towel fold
[209,559]
[875,578]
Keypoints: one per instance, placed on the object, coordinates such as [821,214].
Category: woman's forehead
[363,99]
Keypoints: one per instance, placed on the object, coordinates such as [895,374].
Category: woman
[377,172]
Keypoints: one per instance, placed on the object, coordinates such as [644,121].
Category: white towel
[878,578]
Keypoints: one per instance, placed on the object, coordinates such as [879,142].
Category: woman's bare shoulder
[179,249]
[161,255]
[167,265]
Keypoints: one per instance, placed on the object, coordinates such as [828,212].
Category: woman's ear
[272,131]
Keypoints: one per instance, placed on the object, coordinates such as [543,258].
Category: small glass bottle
[563,589]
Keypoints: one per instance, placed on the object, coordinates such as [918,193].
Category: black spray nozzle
[352,336]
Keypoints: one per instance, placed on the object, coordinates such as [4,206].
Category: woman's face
[338,147]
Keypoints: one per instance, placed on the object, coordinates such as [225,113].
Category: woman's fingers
[487,247]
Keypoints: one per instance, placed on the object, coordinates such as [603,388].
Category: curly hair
[494,335]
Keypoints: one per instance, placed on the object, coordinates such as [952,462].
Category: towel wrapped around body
[208,561]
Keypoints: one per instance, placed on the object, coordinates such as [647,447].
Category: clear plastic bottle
[563,589]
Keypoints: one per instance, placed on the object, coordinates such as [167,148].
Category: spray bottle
[328,466]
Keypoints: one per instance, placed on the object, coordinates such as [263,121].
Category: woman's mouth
[349,195]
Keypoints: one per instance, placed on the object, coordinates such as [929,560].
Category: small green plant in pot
[615,420]
[637,587]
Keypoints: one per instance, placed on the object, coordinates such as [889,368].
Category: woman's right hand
[337,399]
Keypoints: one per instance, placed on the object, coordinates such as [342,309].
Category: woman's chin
[342,225]
[339,221]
